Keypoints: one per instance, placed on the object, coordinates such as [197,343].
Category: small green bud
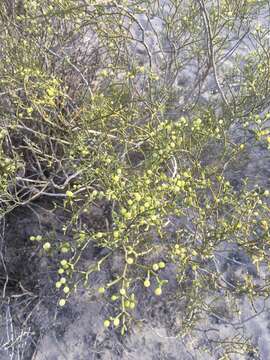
[62,302]
[47,246]
[158,291]
[69,194]
[130,260]
[161,265]
[64,262]
[146,283]
[101,290]
[122,292]
[132,305]
[137,196]
[106,323]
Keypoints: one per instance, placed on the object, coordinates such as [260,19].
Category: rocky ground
[33,327]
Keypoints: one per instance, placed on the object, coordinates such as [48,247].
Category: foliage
[93,114]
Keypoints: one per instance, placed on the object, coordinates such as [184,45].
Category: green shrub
[95,124]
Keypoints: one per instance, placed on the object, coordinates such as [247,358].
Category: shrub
[93,113]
